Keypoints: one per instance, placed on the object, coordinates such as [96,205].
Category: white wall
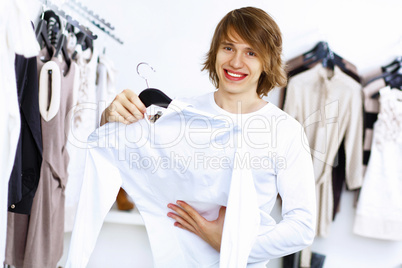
[173,36]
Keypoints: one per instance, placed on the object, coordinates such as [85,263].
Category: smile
[235,76]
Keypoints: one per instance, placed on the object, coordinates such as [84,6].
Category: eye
[227,48]
[251,53]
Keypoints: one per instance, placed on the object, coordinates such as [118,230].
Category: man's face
[238,67]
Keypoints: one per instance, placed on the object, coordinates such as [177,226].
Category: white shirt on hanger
[207,168]
[157,165]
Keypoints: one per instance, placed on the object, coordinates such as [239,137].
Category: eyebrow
[227,43]
[224,43]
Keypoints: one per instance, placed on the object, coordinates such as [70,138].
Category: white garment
[83,122]
[105,83]
[182,139]
[16,36]
[283,167]
[379,210]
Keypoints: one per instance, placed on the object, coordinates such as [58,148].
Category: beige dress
[329,106]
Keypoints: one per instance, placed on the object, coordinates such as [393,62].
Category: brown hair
[259,30]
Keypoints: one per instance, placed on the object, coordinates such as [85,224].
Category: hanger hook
[143,77]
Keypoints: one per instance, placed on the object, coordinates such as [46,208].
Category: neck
[237,103]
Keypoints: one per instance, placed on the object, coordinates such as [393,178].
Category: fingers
[117,113]
[189,219]
[131,102]
[181,223]
[125,100]
[126,108]
[191,211]
[183,214]
[133,98]
[183,220]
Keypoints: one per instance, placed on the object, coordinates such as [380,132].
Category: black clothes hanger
[322,52]
[393,79]
[43,38]
[154,96]
[151,96]
[54,26]
[387,70]
[392,75]
[393,66]
[84,41]
[62,46]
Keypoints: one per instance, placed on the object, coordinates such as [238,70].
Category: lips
[234,76]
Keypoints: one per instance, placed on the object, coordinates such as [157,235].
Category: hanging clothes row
[43,230]
[324,95]
[53,91]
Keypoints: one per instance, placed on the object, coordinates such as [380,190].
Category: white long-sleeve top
[201,177]
[281,163]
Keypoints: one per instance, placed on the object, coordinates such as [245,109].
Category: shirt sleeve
[98,192]
[354,142]
[296,186]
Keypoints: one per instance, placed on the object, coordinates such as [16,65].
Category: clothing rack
[85,13]
[90,16]
[90,12]
[69,19]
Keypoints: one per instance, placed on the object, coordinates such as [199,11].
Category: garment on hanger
[378,213]
[158,186]
[16,36]
[37,241]
[28,159]
[305,62]
[84,121]
[105,83]
[329,105]
[188,169]
[105,92]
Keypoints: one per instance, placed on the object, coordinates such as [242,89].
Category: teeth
[234,75]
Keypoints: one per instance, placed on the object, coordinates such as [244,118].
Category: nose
[236,61]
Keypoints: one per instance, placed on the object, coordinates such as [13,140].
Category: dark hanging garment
[25,175]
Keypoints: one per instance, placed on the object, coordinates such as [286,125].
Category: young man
[244,63]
